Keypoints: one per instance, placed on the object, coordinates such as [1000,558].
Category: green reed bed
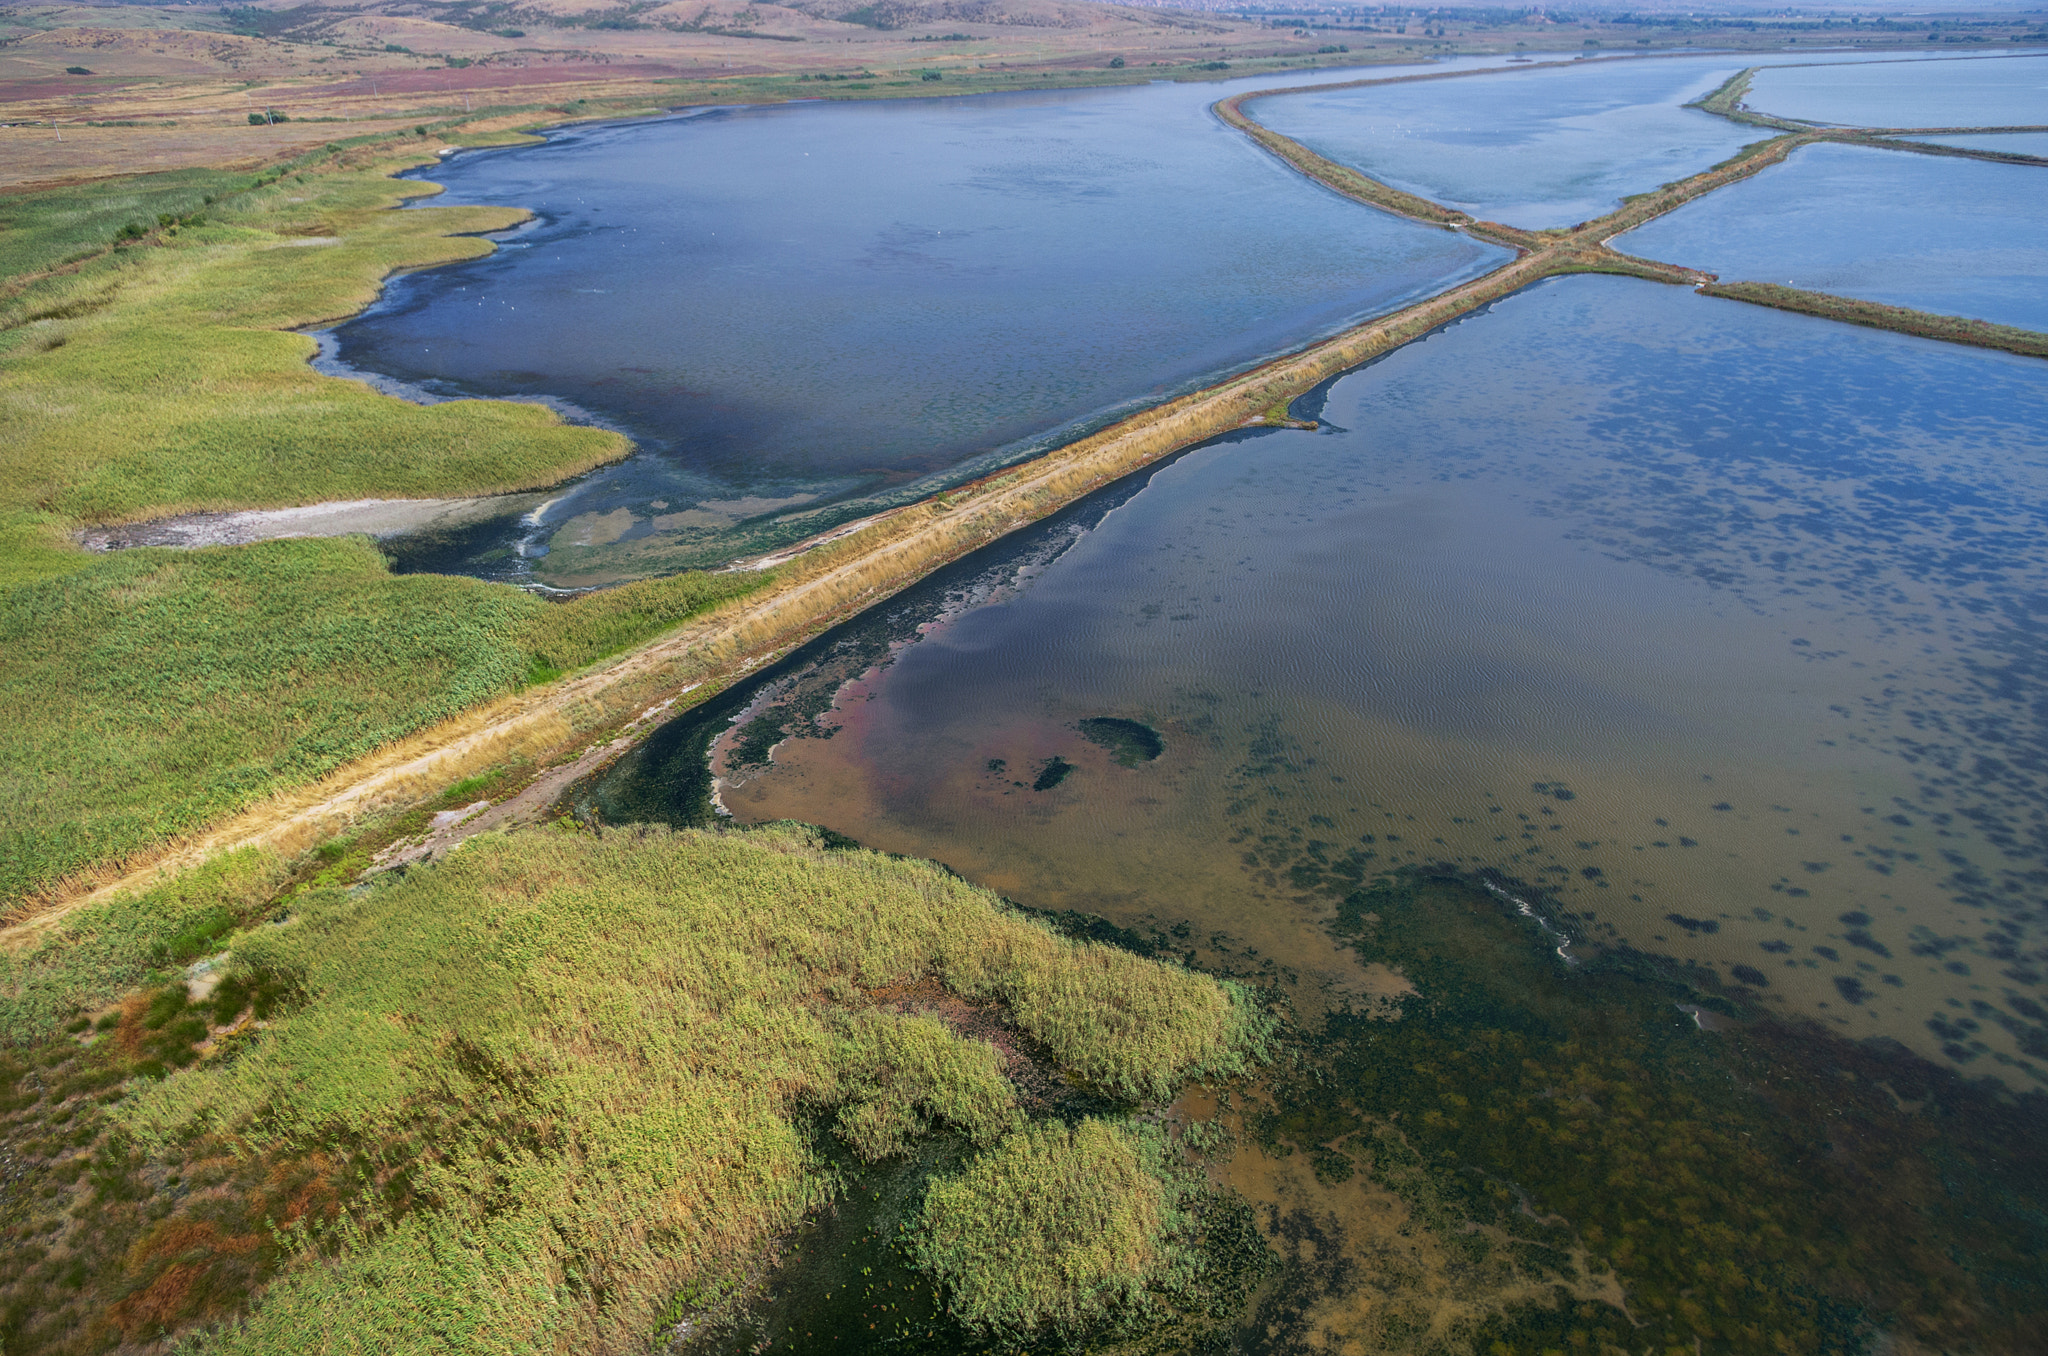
[524,1099]
[156,691]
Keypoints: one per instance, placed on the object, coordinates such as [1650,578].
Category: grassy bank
[146,366]
[156,691]
[1951,329]
[526,1099]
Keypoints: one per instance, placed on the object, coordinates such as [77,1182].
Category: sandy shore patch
[371,517]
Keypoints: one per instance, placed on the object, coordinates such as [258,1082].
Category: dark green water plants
[1130,742]
[1750,1184]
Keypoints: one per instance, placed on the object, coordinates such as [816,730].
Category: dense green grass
[42,230]
[1060,1226]
[113,947]
[155,691]
[164,377]
[521,1100]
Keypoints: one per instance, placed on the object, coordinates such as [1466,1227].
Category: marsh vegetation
[551,1085]
[596,1089]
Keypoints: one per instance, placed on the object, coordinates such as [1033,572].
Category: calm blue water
[1965,92]
[1723,627]
[847,304]
[1531,147]
[1954,236]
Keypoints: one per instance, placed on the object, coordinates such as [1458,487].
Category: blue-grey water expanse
[825,304]
[1609,673]
[1949,235]
[1717,624]
[1549,147]
[1986,91]
[1536,147]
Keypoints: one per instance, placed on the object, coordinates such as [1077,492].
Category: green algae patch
[549,1086]
[1130,742]
[1624,1124]
[1051,773]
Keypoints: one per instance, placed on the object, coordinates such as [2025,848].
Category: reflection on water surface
[1714,624]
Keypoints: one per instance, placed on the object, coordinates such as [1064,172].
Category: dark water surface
[850,304]
[1953,236]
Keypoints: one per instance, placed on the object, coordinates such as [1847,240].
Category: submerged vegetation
[1732,1181]
[1130,742]
[530,1097]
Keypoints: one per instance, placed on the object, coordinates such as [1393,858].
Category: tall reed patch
[558,1079]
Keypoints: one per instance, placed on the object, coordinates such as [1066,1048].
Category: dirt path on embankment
[573,725]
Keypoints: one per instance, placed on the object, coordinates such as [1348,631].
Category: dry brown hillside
[179,82]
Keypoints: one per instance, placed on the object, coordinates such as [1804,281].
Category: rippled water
[1950,235]
[1720,628]
[849,304]
[1987,91]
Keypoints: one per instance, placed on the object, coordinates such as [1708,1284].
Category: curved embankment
[575,717]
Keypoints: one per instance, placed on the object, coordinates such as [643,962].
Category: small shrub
[197,937]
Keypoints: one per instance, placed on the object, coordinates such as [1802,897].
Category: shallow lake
[1984,91]
[1950,235]
[807,311]
[1718,628]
